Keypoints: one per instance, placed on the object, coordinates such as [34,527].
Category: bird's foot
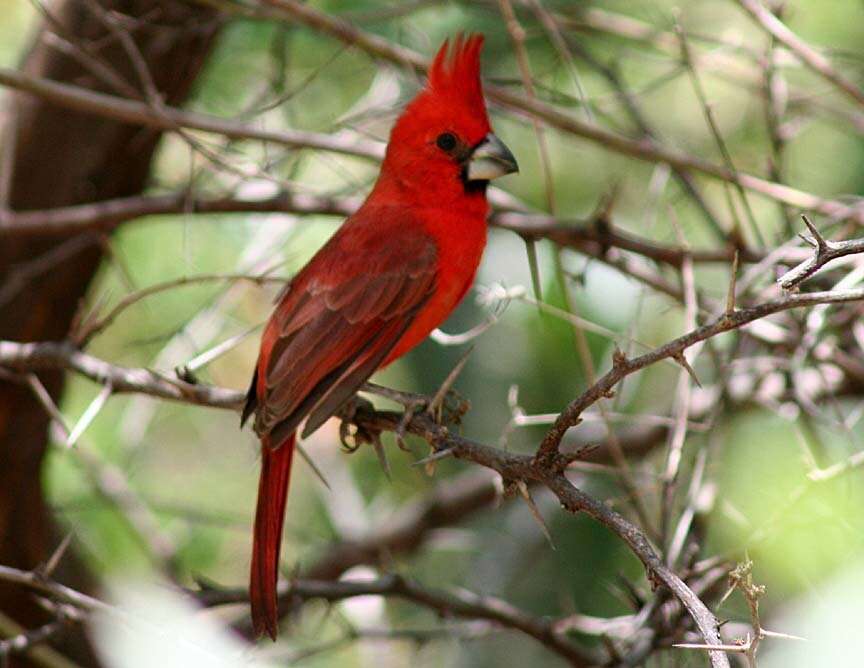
[351,433]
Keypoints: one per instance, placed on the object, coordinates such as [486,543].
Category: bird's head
[442,145]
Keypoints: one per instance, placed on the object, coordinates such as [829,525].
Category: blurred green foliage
[195,471]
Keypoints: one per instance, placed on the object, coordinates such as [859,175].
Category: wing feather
[338,321]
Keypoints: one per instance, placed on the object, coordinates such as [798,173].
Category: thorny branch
[451,604]
[36,356]
[823,252]
[623,367]
[446,604]
[808,55]
[679,610]
[547,467]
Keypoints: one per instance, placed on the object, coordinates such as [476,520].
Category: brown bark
[63,158]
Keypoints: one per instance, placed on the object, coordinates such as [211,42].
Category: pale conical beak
[490,159]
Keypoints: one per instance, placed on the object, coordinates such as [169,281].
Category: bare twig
[708,112]
[509,466]
[824,251]
[456,604]
[805,53]
[130,111]
[95,326]
[292,10]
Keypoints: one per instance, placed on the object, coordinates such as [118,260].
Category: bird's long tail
[267,539]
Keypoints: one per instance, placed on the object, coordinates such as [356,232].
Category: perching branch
[17,356]
[547,468]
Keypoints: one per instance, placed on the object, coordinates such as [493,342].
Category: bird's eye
[446,141]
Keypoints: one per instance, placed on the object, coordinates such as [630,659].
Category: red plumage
[391,274]
[267,534]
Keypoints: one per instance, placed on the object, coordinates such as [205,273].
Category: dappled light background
[155,492]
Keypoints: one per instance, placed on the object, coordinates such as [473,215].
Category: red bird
[390,275]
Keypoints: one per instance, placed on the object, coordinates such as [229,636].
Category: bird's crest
[455,72]
[450,102]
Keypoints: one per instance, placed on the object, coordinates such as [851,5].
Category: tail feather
[267,540]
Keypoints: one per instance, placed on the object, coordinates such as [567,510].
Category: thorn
[313,466]
[683,362]
[733,280]
[626,591]
[185,374]
[513,400]
[534,267]
[89,415]
[434,457]
[437,403]
[526,494]
[819,240]
[402,427]
[429,467]
[578,455]
[382,455]
[607,204]
[44,398]
[808,240]
[206,584]
[80,331]
[54,560]
[783,636]
[206,357]
[726,595]
[740,649]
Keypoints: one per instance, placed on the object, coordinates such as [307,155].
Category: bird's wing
[338,321]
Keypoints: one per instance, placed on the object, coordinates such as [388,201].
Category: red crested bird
[390,275]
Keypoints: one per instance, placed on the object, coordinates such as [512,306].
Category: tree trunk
[61,158]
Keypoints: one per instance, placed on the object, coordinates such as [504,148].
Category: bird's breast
[460,245]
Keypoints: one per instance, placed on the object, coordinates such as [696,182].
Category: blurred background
[158,494]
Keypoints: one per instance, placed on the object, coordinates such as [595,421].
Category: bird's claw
[351,434]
